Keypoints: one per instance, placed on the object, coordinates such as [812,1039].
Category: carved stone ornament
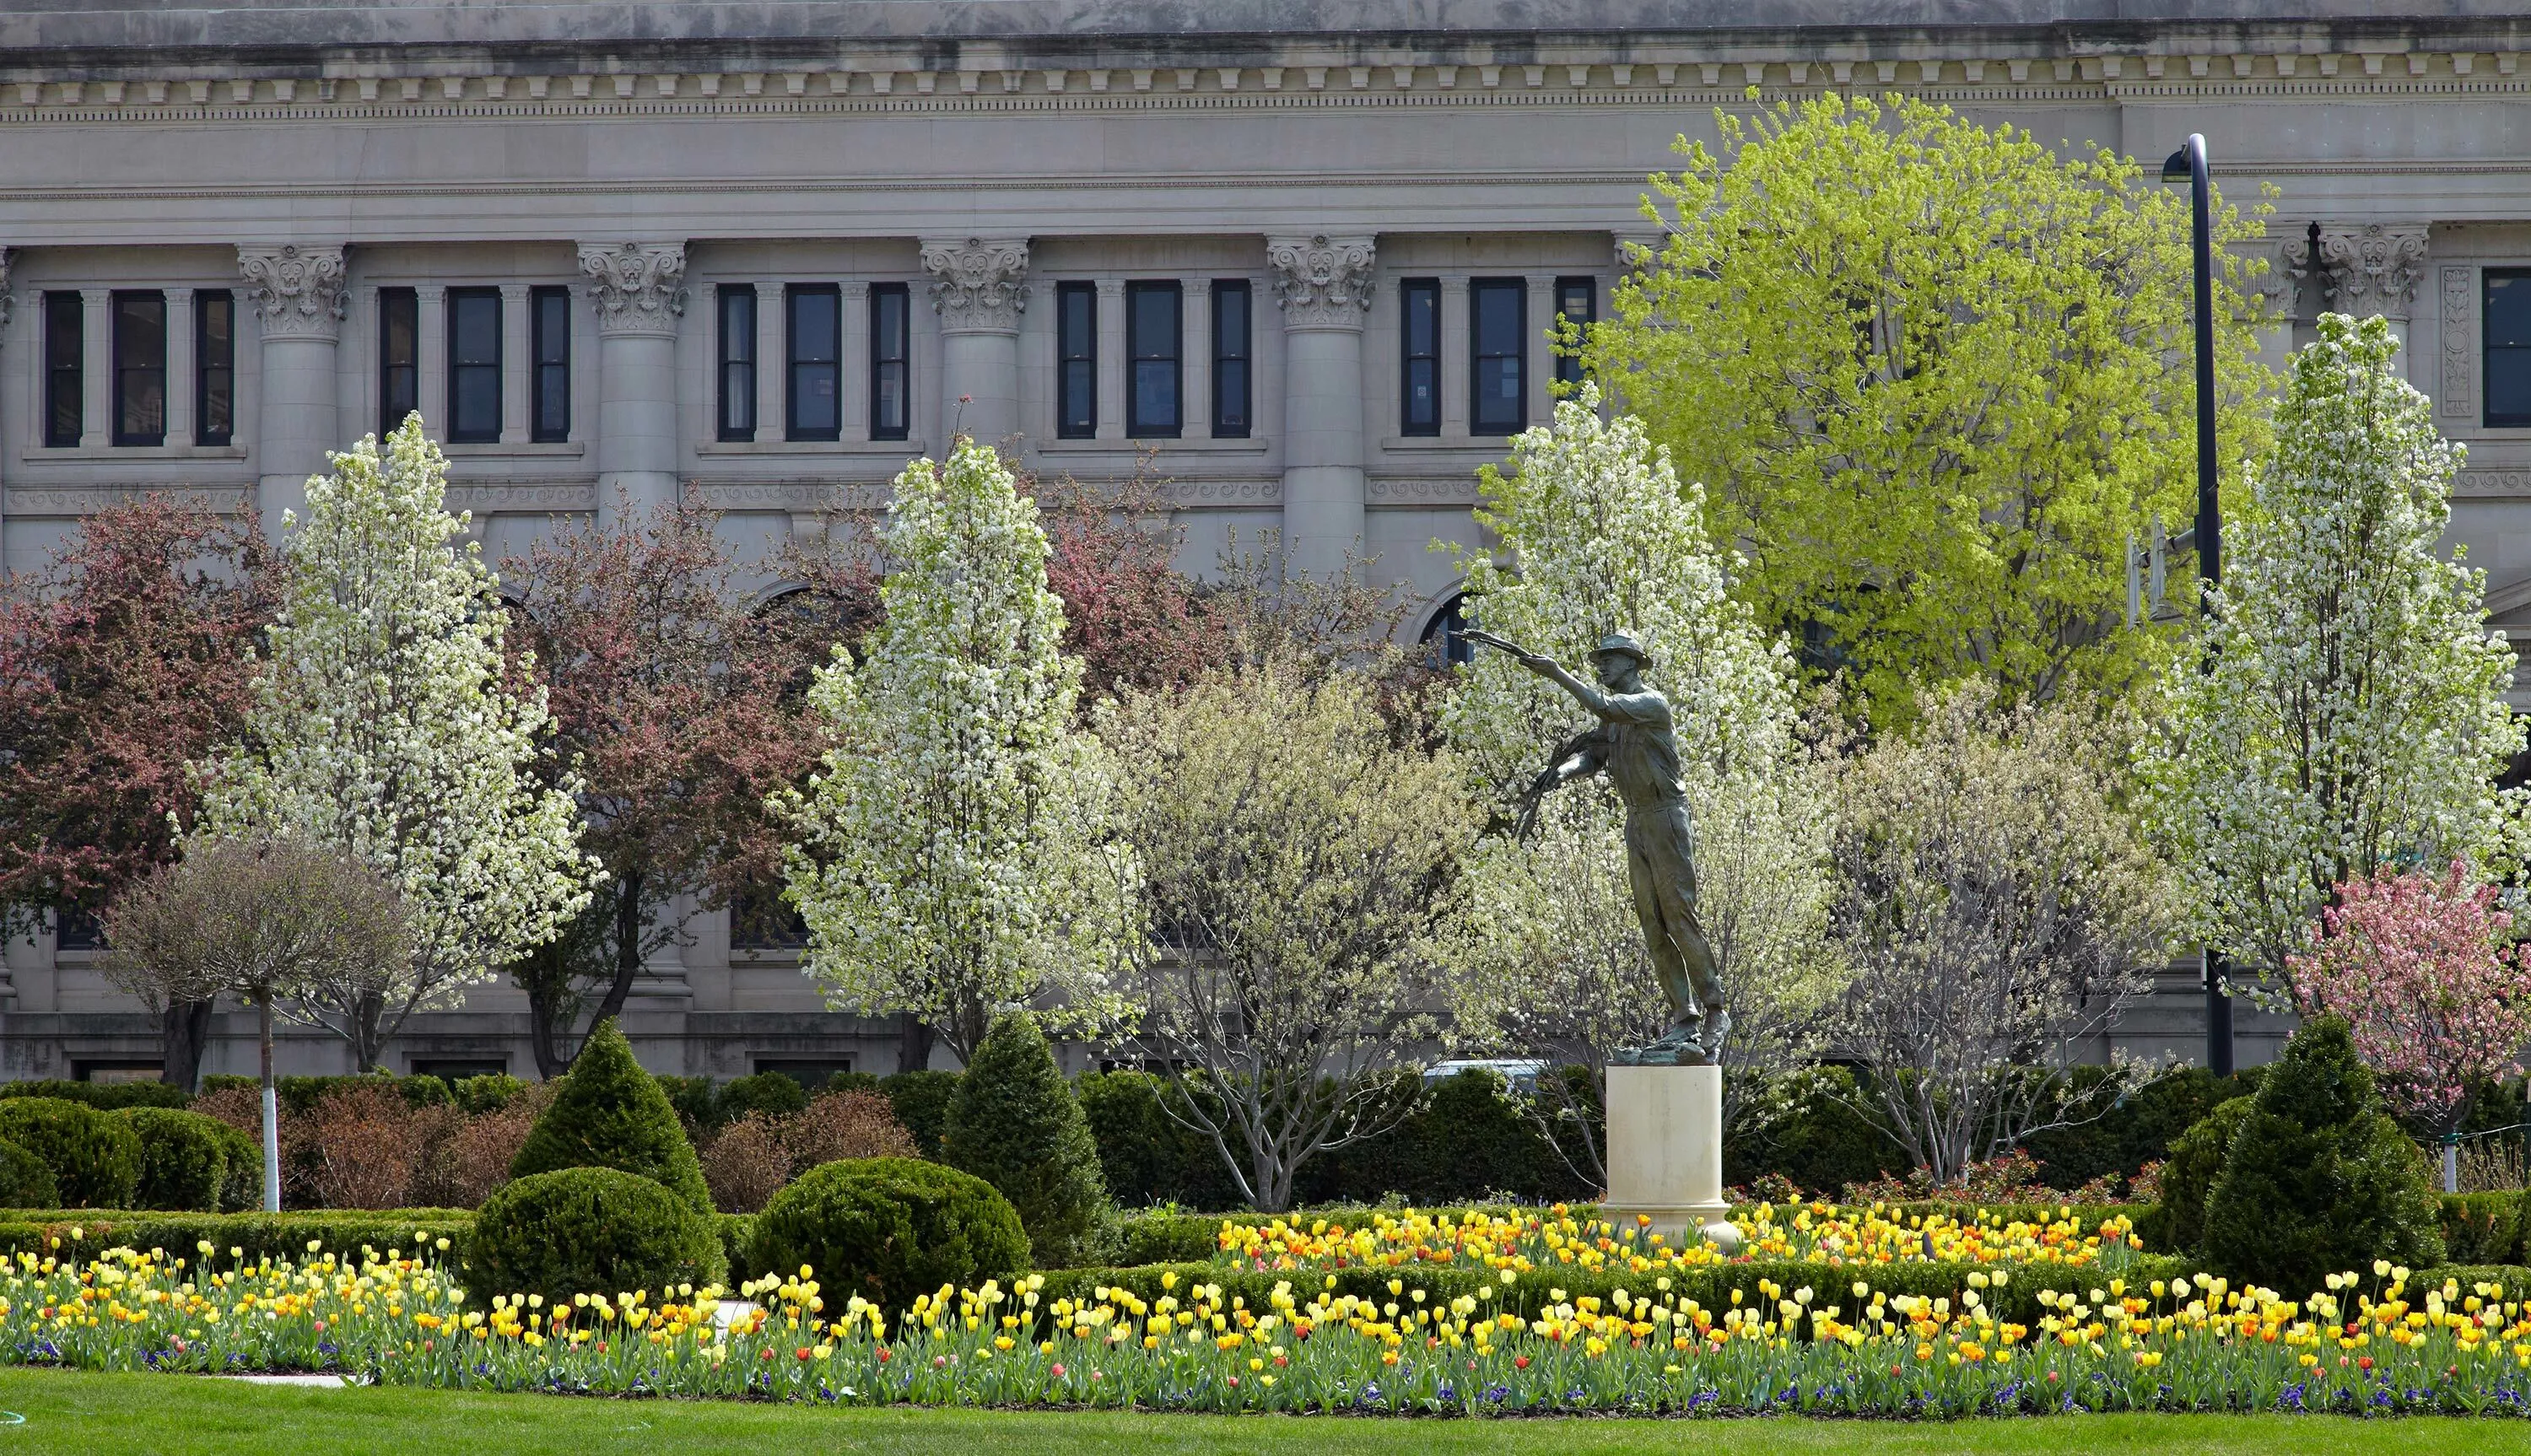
[2373,269]
[1325,282]
[298,291]
[637,287]
[977,284]
[8,299]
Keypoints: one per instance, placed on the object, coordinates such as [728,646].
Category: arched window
[1446,634]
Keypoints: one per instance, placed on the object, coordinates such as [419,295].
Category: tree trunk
[912,1044]
[182,1032]
[545,1001]
[368,1037]
[628,946]
[271,1109]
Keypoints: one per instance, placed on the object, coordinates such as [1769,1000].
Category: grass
[99,1414]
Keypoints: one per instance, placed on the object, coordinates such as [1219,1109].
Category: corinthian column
[1325,288]
[2363,269]
[297,292]
[979,288]
[638,289]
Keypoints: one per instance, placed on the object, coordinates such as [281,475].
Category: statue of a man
[1633,745]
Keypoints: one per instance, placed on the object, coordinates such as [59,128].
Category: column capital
[978,283]
[1324,281]
[297,290]
[8,299]
[637,288]
[2362,269]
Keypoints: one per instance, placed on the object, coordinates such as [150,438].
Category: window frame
[391,301]
[1409,354]
[883,364]
[1067,392]
[1136,425]
[65,369]
[210,360]
[125,373]
[1517,356]
[1225,425]
[456,427]
[542,326]
[2488,281]
[734,355]
[1568,366]
[793,296]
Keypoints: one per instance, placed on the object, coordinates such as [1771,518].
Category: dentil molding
[978,285]
[637,287]
[1325,282]
[298,291]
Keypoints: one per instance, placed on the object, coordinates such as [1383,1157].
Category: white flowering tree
[2351,715]
[382,726]
[1596,535]
[954,856]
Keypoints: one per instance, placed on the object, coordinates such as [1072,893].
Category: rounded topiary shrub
[242,1188]
[590,1231]
[95,1156]
[1016,1124]
[26,1182]
[887,1229]
[766,1091]
[612,1114]
[183,1159]
[2318,1178]
[2196,1160]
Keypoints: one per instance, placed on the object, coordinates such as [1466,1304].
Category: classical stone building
[1303,253]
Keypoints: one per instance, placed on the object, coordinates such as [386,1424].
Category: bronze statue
[1633,745]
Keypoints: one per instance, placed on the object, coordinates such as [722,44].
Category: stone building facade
[1300,255]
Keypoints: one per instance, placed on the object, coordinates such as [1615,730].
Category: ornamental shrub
[772,1092]
[590,1230]
[183,1159]
[489,1092]
[1016,1124]
[2484,1228]
[922,1103]
[888,1229]
[242,1186]
[26,1182]
[2318,1178]
[612,1114]
[2196,1160]
[695,1101]
[95,1156]
[105,1096]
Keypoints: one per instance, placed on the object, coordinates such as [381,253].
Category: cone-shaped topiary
[2319,1179]
[2196,1160]
[1016,1124]
[612,1114]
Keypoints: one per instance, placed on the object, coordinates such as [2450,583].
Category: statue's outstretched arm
[1547,667]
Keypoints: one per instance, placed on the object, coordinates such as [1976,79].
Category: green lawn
[105,1415]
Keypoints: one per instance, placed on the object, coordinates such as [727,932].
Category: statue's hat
[1619,642]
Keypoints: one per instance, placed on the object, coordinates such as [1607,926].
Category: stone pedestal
[1666,1149]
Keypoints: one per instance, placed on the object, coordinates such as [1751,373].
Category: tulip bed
[2364,1345]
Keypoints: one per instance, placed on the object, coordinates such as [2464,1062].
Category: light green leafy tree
[382,726]
[954,857]
[2352,712]
[1596,534]
[1935,377]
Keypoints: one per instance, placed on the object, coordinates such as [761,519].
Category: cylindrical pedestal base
[1666,1149]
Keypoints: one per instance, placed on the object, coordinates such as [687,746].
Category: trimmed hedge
[920,1102]
[2487,1228]
[590,1230]
[276,1236]
[300,1095]
[888,1229]
[105,1096]
[183,1159]
[95,1156]
[26,1179]
[774,1092]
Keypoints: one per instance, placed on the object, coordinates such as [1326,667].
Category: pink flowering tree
[2422,969]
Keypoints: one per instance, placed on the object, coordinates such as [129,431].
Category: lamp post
[2188,165]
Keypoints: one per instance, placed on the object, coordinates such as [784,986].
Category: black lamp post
[2188,165]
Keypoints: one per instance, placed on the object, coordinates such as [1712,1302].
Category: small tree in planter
[2435,1000]
[262,920]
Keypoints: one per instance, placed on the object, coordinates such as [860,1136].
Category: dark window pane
[140,368]
[1499,390]
[399,355]
[1576,303]
[1419,346]
[2507,328]
[474,327]
[815,324]
[1154,313]
[65,409]
[550,410]
[737,361]
[890,362]
[214,367]
[1076,348]
[474,364]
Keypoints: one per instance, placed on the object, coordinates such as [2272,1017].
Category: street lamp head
[2180,167]
[2175,168]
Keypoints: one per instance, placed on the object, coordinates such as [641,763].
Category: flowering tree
[954,855]
[2435,998]
[2351,713]
[382,726]
[1601,536]
[1130,615]
[671,706]
[122,660]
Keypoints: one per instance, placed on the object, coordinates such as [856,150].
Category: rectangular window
[2506,323]
[1577,299]
[473,366]
[1155,323]
[1233,351]
[1076,352]
[737,313]
[1418,307]
[65,366]
[891,361]
[1498,402]
[214,366]
[140,368]
[815,332]
[399,357]
[549,342]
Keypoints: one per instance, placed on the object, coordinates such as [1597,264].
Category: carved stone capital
[637,288]
[1325,282]
[8,299]
[298,291]
[978,284]
[2362,271]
